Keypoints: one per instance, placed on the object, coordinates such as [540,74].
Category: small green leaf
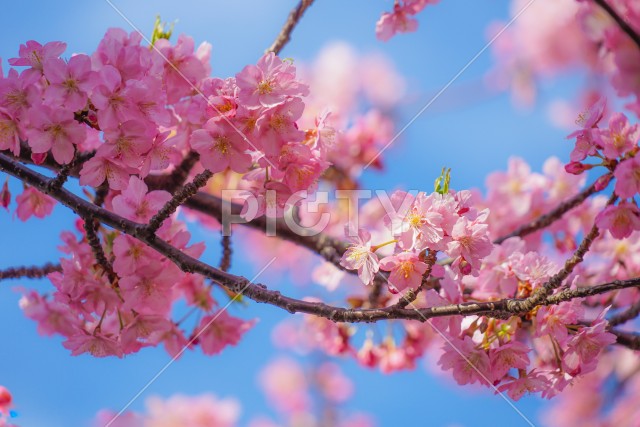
[441,185]
[159,30]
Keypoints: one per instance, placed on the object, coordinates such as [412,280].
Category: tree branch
[627,339]
[292,20]
[261,294]
[32,272]
[178,199]
[550,217]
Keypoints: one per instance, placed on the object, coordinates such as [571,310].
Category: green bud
[159,30]
[442,182]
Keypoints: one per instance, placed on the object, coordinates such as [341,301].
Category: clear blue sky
[53,389]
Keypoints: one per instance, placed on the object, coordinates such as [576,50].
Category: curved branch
[259,293]
[292,20]
[550,217]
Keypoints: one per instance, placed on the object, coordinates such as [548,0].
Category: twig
[178,199]
[624,26]
[179,175]
[556,280]
[225,261]
[627,339]
[630,313]
[31,272]
[550,217]
[292,20]
[90,226]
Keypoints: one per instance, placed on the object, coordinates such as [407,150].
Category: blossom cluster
[540,352]
[136,111]
[614,147]
[440,222]
[116,313]
[401,20]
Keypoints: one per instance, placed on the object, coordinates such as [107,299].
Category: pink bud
[602,182]
[38,158]
[576,168]
[5,195]
[465,267]
[5,398]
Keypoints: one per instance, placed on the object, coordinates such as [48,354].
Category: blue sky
[53,389]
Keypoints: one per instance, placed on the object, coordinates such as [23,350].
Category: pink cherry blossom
[627,176]
[470,242]
[136,204]
[530,383]
[5,401]
[399,21]
[619,138]
[359,256]
[278,126]
[10,133]
[69,82]
[508,356]
[219,330]
[104,166]
[97,344]
[33,203]
[621,220]
[34,55]
[221,146]
[55,130]
[469,363]
[584,347]
[406,270]
[183,69]
[269,83]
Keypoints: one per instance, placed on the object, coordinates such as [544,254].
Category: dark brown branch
[550,217]
[624,26]
[628,339]
[260,293]
[630,313]
[181,172]
[555,282]
[411,295]
[292,20]
[32,272]
[225,261]
[178,199]
[331,249]
[90,228]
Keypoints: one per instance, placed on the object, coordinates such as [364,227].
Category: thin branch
[32,272]
[90,227]
[550,217]
[556,280]
[630,313]
[411,295]
[178,199]
[225,261]
[624,26]
[179,175]
[628,339]
[292,20]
